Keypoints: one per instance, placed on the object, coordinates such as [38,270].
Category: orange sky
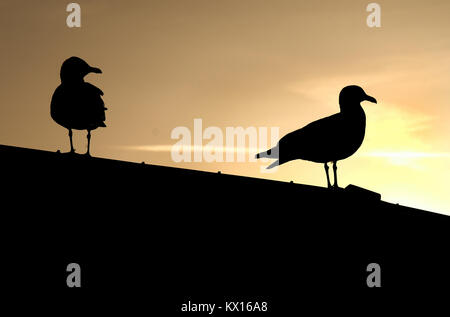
[257,63]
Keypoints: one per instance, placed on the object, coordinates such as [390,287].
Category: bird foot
[87,154]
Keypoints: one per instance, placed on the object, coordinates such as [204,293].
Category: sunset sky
[247,63]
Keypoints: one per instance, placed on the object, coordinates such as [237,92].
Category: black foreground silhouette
[330,139]
[149,238]
[77,104]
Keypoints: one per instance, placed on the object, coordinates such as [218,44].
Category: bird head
[353,95]
[74,69]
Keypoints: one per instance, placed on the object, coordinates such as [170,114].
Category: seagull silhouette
[75,103]
[329,139]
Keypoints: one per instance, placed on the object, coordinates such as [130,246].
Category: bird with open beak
[329,139]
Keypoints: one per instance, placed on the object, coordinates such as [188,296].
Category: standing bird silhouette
[75,103]
[329,139]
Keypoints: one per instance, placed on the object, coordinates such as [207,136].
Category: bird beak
[95,70]
[370,98]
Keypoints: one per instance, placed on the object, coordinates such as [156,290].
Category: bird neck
[72,81]
[353,109]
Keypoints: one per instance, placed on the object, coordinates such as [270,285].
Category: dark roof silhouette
[75,103]
[329,139]
[146,233]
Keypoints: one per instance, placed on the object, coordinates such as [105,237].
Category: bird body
[78,106]
[330,139]
[75,103]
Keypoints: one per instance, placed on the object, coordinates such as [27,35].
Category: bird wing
[93,103]
[313,142]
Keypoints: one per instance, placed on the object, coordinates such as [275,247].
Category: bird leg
[328,176]
[335,175]
[88,142]
[72,150]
